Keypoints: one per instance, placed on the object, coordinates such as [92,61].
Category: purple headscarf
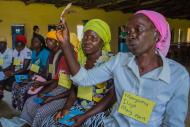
[163,28]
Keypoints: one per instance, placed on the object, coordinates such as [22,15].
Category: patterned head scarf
[73,39]
[52,35]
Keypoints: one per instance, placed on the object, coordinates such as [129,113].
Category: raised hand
[63,37]
[62,33]
[62,29]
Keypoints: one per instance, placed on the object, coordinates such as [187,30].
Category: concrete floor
[6,109]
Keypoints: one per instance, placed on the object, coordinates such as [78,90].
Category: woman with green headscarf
[87,106]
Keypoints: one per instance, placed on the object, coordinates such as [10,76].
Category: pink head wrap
[162,26]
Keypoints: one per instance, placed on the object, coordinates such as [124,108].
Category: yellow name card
[34,68]
[101,85]
[16,62]
[99,91]
[1,61]
[64,80]
[136,107]
[50,68]
[97,99]
[85,92]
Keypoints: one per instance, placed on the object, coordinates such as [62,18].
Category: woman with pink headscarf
[151,90]
[162,27]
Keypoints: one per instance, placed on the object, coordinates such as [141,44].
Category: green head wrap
[103,31]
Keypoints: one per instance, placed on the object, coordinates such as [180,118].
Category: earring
[155,34]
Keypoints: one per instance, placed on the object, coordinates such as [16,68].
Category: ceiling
[170,8]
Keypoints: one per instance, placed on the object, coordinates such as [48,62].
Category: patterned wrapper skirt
[20,95]
[93,121]
[35,113]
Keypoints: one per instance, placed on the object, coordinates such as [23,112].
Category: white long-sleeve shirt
[7,57]
[167,86]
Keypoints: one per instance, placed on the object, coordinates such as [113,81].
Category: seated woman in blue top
[40,54]
[151,90]
[39,60]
